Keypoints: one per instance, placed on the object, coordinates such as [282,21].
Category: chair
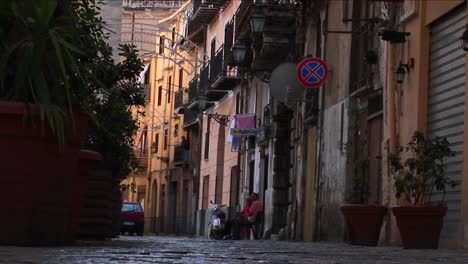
[257,227]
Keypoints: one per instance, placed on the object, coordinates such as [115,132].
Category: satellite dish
[284,84]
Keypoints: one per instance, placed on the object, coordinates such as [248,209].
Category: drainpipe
[392,130]
[319,145]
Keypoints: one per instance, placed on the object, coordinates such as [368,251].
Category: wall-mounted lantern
[401,72]
[257,21]
[202,102]
[240,50]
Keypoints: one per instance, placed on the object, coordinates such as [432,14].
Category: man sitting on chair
[233,226]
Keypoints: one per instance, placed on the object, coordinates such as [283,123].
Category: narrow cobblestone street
[154,249]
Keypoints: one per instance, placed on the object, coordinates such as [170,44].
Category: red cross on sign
[312,72]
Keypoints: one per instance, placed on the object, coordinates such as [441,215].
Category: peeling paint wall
[332,181]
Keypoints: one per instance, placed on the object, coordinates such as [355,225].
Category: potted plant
[41,120]
[363,220]
[55,66]
[423,171]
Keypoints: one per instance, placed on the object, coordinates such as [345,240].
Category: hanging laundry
[245,121]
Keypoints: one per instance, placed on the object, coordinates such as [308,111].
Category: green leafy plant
[112,132]
[423,171]
[37,57]
[54,53]
[355,150]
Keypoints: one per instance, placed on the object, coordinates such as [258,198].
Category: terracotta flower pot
[37,176]
[420,226]
[363,223]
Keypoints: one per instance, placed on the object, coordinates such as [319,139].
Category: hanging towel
[233,125]
[245,121]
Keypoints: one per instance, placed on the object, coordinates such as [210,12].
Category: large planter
[87,161]
[116,201]
[363,223]
[420,226]
[96,215]
[37,176]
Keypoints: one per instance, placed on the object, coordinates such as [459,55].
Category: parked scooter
[217,223]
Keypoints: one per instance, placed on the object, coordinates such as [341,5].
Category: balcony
[179,102]
[193,90]
[151,4]
[190,117]
[222,77]
[181,156]
[212,95]
[276,42]
[142,160]
[146,92]
[204,11]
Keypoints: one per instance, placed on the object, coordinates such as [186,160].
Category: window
[173,37]
[161,44]
[176,130]
[213,48]
[156,142]
[207,145]
[206,186]
[159,95]
[147,75]
[166,131]
[169,90]
[143,142]
[181,79]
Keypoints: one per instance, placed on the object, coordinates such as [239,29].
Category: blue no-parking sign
[312,72]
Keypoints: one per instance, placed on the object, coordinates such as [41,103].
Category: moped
[217,222]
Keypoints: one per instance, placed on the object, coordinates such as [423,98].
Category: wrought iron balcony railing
[221,76]
[204,11]
[204,78]
[181,155]
[246,9]
[190,117]
[159,4]
[146,92]
[193,90]
[179,99]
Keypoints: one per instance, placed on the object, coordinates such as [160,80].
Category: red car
[132,219]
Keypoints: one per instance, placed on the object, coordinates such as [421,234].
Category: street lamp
[202,102]
[240,51]
[464,39]
[401,72]
[257,21]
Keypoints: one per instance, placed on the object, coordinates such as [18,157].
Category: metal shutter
[447,105]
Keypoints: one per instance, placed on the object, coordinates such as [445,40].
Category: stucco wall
[337,54]
[217,27]
[226,106]
[436,9]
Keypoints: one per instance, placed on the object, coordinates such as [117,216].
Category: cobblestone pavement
[153,249]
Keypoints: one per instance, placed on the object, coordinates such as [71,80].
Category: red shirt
[246,209]
[255,208]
